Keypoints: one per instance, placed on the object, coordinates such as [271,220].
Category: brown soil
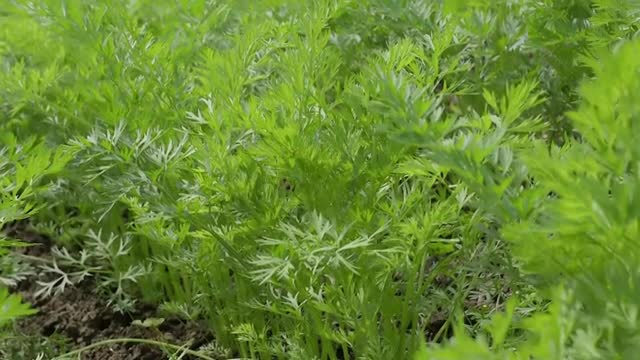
[83,317]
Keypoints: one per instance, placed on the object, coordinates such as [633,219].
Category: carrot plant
[338,179]
[25,168]
[573,227]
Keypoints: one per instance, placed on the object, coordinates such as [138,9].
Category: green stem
[33,258]
[139,341]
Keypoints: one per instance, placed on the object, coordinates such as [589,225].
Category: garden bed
[82,318]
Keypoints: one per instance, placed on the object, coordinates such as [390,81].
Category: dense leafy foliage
[335,179]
